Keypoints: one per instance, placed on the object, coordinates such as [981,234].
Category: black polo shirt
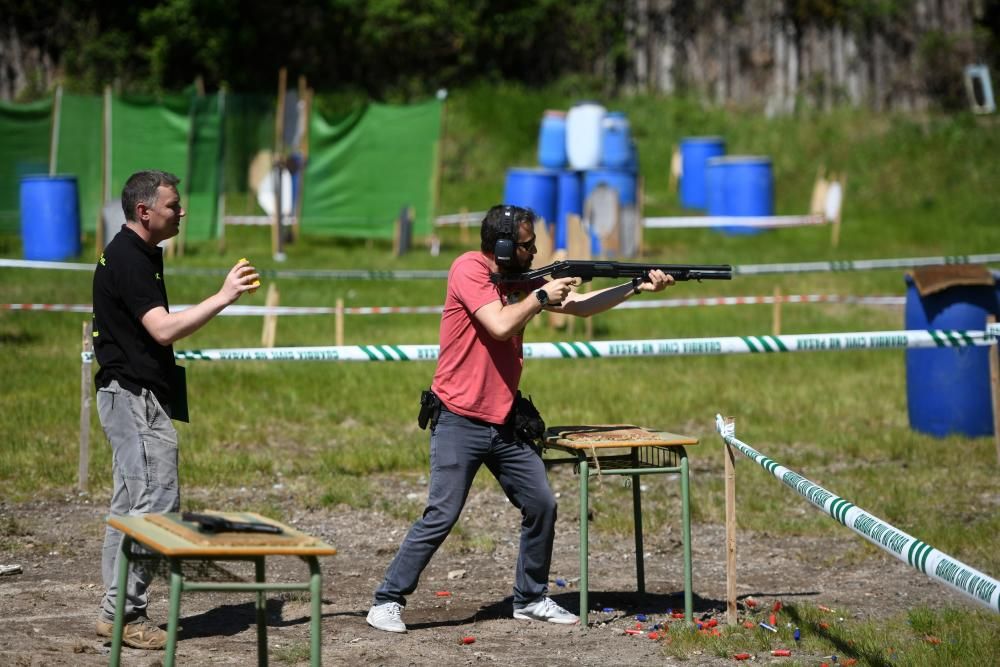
[128,283]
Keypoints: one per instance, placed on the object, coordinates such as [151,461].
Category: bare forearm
[592,303]
[167,328]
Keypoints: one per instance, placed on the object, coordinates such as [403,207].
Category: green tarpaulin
[79,152]
[24,149]
[362,169]
[366,167]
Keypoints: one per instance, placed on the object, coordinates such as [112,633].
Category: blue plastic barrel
[695,154]
[50,217]
[569,201]
[534,189]
[552,140]
[740,185]
[948,389]
[616,141]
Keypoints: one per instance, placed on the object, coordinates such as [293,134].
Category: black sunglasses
[527,245]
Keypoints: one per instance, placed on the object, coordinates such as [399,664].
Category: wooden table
[623,449]
[167,536]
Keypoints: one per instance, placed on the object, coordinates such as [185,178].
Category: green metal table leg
[316,622]
[584,540]
[686,529]
[261,607]
[124,558]
[173,618]
[640,569]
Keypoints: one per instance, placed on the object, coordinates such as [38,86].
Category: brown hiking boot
[140,633]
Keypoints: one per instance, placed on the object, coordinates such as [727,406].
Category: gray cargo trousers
[144,465]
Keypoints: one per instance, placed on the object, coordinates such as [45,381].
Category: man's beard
[515,266]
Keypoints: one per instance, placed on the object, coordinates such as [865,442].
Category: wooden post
[436,174]
[305,99]
[86,378]
[640,216]
[730,472]
[995,389]
[199,92]
[278,167]
[270,330]
[776,312]
[463,231]
[105,172]
[338,322]
[54,137]
[220,201]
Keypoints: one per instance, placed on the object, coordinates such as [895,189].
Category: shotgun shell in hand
[256,283]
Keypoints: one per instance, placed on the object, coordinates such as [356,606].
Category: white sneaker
[387,616]
[545,609]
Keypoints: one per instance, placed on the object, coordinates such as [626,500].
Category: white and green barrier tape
[938,565]
[365,274]
[666,347]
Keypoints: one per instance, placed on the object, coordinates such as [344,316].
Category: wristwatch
[636,281]
[542,296]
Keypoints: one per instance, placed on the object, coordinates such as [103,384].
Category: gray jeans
[459,446]
[144,466]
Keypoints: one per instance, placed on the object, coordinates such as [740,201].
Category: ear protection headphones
[503,251]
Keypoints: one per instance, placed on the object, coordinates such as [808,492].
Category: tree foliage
[383,48]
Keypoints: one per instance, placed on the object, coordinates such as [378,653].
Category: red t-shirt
[477,375]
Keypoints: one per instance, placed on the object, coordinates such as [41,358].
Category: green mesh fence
[79,152]
[24,149]
[363,168]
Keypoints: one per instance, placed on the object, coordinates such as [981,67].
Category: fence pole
[776,312]
[339,322]
[85,379]
[730,536]
[270,330]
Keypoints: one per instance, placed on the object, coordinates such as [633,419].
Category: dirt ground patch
[47,612]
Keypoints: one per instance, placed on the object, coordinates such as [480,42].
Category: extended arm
[591,303]
[166,327]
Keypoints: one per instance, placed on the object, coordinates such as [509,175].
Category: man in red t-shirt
[479,367]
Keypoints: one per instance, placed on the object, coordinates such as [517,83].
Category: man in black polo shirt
[139,387]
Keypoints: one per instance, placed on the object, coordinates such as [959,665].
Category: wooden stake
[270,330]
[220,201]
[86,378]
[463,227]
[338,320]
[105,172]
[730,472]
[54,137]
[278,166]
[776,312]
[995,389]
[305,98]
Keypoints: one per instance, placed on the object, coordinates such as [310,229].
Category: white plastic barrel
[583,135]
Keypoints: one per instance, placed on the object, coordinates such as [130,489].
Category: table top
[611,436]
[169,535]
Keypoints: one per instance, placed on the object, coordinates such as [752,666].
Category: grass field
[916,187]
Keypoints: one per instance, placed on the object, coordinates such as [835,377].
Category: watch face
[542,296]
